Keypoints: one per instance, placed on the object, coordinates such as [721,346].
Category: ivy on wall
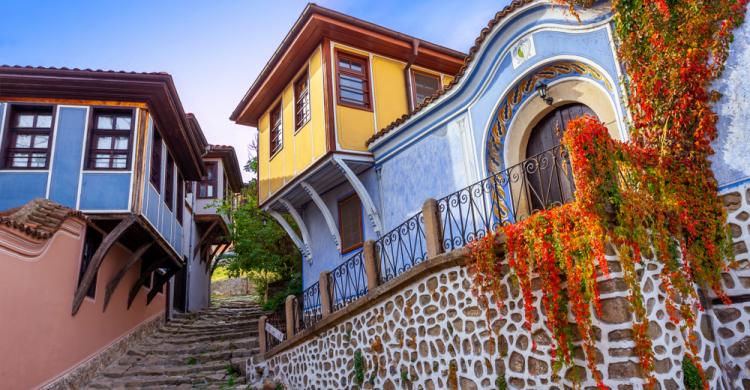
[653,197]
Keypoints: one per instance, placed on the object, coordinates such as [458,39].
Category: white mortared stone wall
[433,334]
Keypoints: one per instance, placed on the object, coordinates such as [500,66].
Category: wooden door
[546,168]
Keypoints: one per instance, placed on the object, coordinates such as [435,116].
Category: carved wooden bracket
[142,279]
[96,260]
[112,285]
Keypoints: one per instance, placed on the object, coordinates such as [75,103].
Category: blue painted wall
[325,254]
[21,187]
[66,164]
[114,196]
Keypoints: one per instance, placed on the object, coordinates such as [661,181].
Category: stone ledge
[446,260]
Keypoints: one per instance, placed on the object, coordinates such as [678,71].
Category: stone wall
[432,333]
[232,287]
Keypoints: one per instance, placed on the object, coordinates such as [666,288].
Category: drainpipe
[407,74]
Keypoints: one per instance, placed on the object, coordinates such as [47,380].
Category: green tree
[262,249]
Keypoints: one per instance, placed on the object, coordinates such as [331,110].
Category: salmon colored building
[110,223]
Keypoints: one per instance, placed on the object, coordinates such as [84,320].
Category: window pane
[351,82]
[104,122]
[102,161]
[41,141]
[20,159]
[119,161]
[346,63]
[23,141]
[353,97]
[104,143]
[123,123]
[38,160]
[425,85]
[44,121]
[209,191]
[121,143]
[25,120]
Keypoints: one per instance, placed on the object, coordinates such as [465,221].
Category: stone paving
[203,350]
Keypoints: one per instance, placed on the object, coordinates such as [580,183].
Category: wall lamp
[542,89]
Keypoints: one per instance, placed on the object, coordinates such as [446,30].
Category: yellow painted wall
[390,90]
[301,148]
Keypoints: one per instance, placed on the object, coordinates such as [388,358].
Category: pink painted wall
[39,339]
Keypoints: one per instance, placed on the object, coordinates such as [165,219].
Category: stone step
[243,343]
[201,339]
[201,380]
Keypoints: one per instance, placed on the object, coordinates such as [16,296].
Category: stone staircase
[203,350]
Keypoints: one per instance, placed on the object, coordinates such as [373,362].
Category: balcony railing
[278,321]
[347,282]
[310,311]
[537,183]
[401,248]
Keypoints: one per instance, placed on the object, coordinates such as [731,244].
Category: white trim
[306,250]
[361,191]
[332,227]
[134,145]
[623,93]
[3,119]
[288,229]
[98,211]
[52,148]
[373,103]
[335,99]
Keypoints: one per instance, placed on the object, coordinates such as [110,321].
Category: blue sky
[212,49]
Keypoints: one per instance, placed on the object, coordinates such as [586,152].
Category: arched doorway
[546,168]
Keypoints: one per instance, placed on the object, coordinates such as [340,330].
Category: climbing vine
[653,197]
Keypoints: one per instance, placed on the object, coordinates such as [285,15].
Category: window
[169,183]
[90,245]
[424,85]
[180,198]
[144,269]
[29,137]
[207,187]
[277,136]
[110,139]
[350,223]
[155,174]
[353,84]
[188,188]
[301,102]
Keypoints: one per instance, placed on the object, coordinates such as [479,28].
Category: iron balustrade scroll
[347,282]
[538,183]
[402,248]
[278,321]
[310,311]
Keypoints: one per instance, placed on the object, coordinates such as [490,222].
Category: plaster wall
[39,338]
[731,163]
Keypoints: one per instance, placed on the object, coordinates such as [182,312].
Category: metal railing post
[432,228]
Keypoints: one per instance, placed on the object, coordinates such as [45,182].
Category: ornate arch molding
[521,92]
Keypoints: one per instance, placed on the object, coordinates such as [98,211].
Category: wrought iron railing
[278,321]
[347,282]
[310,311]
[537,183]
[401,248]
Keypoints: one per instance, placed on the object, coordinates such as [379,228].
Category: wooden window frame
[364,76]
[94,133]
[274,149]
[302,110]
[91,242]
[169,182]
[12,132]
[214,182]
[180,201]
[359,223]
[414,73]
[154,175]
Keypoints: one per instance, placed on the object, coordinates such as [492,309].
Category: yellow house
[333,83]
